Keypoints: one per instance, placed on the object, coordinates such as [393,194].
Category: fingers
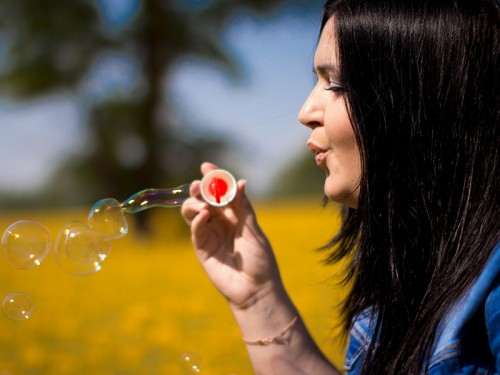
[196,213]
[192,206]
[207,167]
[195,189]
[198,226]
[239,208]
[241,200]
[240,195]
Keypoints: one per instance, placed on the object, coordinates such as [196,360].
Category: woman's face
[332,137]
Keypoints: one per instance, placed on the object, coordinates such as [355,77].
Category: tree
[51,47]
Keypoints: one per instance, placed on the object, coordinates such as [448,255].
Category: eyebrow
[326,69]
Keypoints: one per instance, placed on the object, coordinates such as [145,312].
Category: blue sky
[258,114]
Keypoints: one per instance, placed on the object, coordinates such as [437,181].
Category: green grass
[152,302]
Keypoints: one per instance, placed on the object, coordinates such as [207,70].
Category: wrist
[273,330]
[266,295]
[282,337]
[266,314]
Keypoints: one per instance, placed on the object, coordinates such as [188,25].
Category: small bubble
[79,251]
[108,219]
[17,306]
[26,243]
[191,363]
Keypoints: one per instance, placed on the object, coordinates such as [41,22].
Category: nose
[311,113]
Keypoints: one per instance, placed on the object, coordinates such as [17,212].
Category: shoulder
[467,340]
[469,335]
[492,320]
[360,337]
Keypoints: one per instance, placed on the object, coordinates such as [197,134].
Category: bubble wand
[81,249]
[218,188]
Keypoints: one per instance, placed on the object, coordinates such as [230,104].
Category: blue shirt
[468,339]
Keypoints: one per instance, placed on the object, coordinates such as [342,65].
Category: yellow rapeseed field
[151,302]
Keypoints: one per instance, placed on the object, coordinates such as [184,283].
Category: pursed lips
[319,153]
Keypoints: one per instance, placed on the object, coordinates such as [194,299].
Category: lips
[319,153]
[320,159]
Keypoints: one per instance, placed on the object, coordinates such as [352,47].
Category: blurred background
[102,98]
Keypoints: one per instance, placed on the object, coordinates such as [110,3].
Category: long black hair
[421,86]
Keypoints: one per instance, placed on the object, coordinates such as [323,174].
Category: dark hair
[421,86]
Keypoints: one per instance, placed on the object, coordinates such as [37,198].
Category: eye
[335,87]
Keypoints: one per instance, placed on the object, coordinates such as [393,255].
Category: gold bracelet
[280,338]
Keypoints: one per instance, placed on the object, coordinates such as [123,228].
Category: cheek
[339,130]
[344,147]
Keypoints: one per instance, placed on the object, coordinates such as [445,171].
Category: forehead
[326,51]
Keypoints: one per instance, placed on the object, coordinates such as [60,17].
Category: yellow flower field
[151,302]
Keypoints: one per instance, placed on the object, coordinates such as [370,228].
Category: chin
[345,197]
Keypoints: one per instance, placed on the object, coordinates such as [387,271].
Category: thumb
[242,207]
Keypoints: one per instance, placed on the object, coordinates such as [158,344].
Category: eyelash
[335,88]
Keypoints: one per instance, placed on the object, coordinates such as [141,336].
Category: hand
[231,247]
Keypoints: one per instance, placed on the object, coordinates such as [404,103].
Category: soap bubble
[26,243]
[218,188]
[149,198]
[108,219]
[17,306]
[79,251]
[191,363]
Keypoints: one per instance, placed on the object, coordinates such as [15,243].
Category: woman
[404,121]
